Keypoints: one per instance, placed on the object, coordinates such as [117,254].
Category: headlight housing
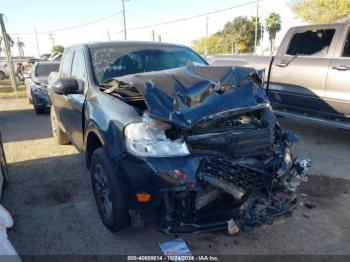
[149,140]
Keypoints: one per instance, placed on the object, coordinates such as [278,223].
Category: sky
[22,16]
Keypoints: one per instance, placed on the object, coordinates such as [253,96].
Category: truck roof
[127,43]
[322,25]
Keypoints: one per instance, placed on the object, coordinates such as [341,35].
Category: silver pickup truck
[309,77]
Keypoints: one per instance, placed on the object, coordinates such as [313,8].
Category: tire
[3,167]
[38,110]
[59,136]
[110,192]
[2,75]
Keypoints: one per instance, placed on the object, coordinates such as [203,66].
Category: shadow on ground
[18,125]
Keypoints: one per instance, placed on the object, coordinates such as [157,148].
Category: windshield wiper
[122,90]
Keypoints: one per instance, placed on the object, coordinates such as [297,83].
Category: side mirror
[66,86]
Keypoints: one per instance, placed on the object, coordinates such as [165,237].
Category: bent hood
[189,95]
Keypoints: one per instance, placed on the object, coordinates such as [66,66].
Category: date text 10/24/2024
[172,258]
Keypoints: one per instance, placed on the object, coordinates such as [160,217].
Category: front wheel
[110,192]
[59,136]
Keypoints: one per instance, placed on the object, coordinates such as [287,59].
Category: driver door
[72,114]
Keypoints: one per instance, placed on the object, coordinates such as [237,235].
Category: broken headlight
[147,140]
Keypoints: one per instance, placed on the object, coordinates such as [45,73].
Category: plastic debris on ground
[232,227]
[309,205]
[7,251]
[176,247]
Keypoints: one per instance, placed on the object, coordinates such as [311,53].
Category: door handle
[341,67]
[282,64]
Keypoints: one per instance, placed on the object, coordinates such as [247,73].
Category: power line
[187,18]
[70,27]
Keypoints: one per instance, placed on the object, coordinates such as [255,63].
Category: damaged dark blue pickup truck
[160,128]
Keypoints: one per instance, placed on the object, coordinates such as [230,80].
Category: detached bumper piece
[230,190]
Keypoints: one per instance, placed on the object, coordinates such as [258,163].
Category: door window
[311,43]
[346,51]
[66,65]
[78,66]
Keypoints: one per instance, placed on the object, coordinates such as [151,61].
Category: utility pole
[206,35]
[153,36]
[159,38]
[109,36]
[124,19]
[52,39]
[262,36]
[8,54]
[37,42]
[256,26]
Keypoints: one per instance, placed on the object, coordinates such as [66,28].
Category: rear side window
[66,65]
[45,69]
[346,51]
[311,43]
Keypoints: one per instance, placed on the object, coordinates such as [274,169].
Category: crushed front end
[233,162]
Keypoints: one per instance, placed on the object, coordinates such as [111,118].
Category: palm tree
[273,26]
[20,46]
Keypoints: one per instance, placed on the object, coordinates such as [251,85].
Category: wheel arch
[95,137]
[93,141]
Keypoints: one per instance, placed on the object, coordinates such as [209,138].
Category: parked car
[309,78]
[4,71]
[36,85]
[158,126]
[55,56]
[3,167]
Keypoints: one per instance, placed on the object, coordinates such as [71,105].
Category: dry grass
[6,90]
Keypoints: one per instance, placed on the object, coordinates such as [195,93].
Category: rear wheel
[110,192]
[59,136]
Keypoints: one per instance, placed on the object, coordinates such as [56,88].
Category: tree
[58,48]
[321,11]
[211,42]
[273,26]
[20,46]
[238,35]
[10,40]
[239,32]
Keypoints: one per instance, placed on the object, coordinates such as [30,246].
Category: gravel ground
[51,200]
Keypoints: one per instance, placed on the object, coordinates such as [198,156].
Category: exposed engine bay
[242,168]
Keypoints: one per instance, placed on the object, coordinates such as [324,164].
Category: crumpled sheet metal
[188,95]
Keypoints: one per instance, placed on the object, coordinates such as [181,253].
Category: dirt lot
[51,201]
